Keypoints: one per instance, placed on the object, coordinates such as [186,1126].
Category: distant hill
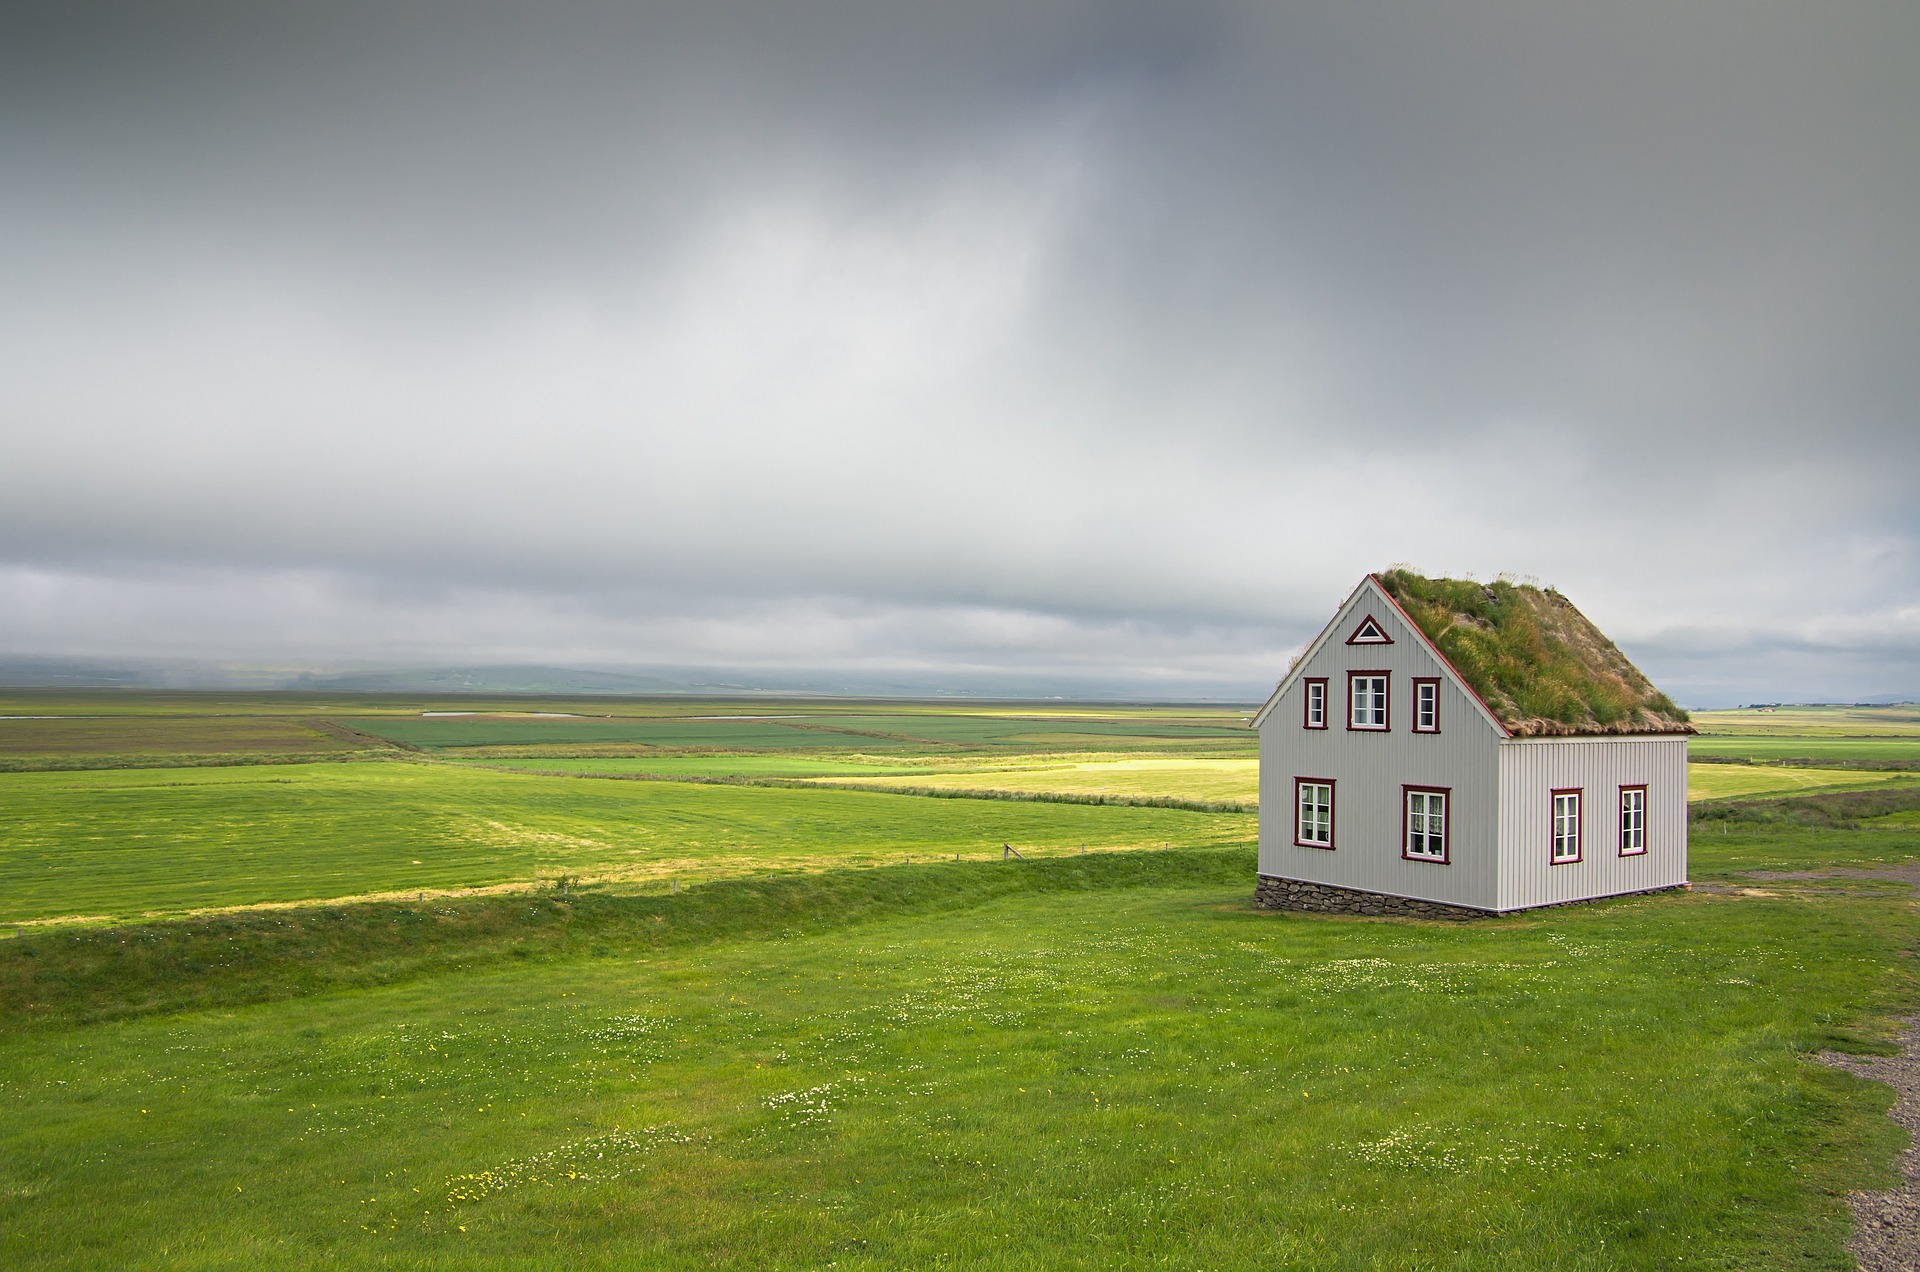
[27,671]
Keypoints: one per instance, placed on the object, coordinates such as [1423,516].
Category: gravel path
[1886,1225]
[1886,1235]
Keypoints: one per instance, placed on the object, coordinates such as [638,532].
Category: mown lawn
[131,842]
[1101,1062]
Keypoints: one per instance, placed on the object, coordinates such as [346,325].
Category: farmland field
[724,764]
[1874,750]
[779,1025]
[1902,720]
[1211,779]
[1730,781]
[125,843]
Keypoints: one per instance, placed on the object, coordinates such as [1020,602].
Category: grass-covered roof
[1535,660]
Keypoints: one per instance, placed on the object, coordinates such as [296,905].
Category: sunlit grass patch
[135,842]
[1737,781]
[1204,779]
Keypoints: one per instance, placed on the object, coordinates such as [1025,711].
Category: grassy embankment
[1081,1062]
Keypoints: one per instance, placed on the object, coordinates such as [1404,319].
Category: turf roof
[1537,662]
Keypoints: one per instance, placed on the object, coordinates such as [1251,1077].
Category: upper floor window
[1313,827]
[1316,704]
[1633,820]
[1426,705]
[1426,823]
[1566,826]
[1367,699]
[1316,714]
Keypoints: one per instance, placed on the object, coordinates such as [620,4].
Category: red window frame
[1306,702]
[1369,623]
[1419,683]
[1446,823]
[1386,702]
[1579,794]
[1621,807]
[1332,812]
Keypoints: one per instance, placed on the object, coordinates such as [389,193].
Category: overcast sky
[1094,342]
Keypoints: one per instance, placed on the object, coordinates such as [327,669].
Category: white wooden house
[1447,747]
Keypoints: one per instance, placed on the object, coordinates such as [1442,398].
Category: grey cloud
[1154,326]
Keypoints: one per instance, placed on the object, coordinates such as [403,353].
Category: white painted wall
[1532,768]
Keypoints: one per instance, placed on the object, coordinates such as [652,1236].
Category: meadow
[135,842]
[414,1006]
[1898,720]
[1100,1062]
[1726,781]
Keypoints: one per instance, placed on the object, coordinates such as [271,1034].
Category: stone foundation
[1326,898]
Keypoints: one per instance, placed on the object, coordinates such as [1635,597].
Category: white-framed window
[1313,824]
[1633,820]
[1316,710]
[1426,705]
[1425,836]
[1367,700]
[1566,827]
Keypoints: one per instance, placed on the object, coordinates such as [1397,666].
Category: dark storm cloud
[1027,337]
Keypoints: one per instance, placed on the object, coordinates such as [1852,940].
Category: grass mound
[73,976]
[1834,810]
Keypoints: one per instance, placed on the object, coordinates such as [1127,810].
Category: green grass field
[727,764]
[1102,1063]
[723,734]
[1206,779]
[1735,781]
[762,1039]
[1902,720]
[133,842]
[1762,750]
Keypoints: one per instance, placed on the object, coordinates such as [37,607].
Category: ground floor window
[1566,826]
[1313,828]
[1426,823]
[1633,820]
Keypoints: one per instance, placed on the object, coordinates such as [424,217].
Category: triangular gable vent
[1369,633]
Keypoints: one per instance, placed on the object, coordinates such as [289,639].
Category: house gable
[1371,616]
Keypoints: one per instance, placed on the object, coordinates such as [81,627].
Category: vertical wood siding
[1369,770]
[1531,769]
